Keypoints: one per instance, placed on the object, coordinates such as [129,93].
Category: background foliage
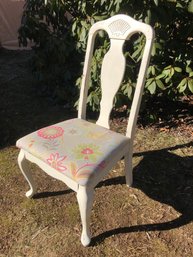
[59,31]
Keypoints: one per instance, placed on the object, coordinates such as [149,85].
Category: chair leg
[128,169]
[27,173]
[85,200]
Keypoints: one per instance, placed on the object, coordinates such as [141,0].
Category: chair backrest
[119,28]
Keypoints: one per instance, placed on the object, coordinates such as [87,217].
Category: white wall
[10,20]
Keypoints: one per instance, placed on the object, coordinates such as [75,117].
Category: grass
[152,218]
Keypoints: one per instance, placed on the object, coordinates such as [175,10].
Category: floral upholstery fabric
[77,148]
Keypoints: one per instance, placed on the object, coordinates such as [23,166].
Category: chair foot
[129,180]
[85,239]
[85,200]
[27,174]
[30,193]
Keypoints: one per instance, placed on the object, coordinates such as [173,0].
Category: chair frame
[119,28]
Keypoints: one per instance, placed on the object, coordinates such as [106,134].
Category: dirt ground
[152,218]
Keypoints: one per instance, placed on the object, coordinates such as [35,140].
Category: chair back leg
[128,168]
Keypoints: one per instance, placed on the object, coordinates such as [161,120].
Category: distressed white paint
[27,174]
[119,29]
[112,72]
[85,200]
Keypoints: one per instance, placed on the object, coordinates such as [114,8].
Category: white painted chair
[81,153]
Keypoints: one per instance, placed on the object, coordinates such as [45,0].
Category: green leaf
[166,72]
[160,76]
[191,74]
[178,69]
[148,17]
[96,99]
[182,88]
[153,70]
[149,81]
[190,85]
[160,84]
[83,35]
[137,51]
[76,104]
[168,67]
[167,79]
[190,7]
[74,27]
[152,87]
[117,2]
[129,91]
[149,70]
[188,69]
[172,71]
[178,5]
[183,82]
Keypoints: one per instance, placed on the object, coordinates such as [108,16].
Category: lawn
[152,218]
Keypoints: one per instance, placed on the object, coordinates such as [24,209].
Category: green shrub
[59,31]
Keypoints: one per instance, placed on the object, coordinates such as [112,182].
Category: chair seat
[76,148]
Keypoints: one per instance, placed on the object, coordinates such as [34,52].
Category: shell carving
[119,27]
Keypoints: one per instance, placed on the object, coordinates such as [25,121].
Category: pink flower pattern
[56,162]
[83,171]
[74,148]
[50,132]
[87,152]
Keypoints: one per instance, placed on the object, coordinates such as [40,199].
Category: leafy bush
[59,31]
[55,55]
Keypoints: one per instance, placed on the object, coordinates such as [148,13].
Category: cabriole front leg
[85,200]
[23,165]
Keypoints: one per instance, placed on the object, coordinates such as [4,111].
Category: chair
[81,153]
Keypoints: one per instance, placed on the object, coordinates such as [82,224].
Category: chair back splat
[81,153]
[119,28]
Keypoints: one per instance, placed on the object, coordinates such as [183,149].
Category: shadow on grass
[164,177]
[181,221]
[161,175]
[51,194]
